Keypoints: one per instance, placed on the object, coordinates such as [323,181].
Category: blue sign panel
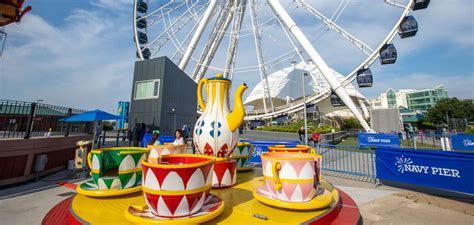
[260,147]
[122,110]
[163,139]
[368,139]
[435,169]
[463,141]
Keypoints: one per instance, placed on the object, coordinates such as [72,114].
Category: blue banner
[463,141]
[451,171]
[369,139]
[260,147]
[163,139]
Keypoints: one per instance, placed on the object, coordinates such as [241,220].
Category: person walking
[136,134]
[301,134]
[142,133]
[316,137]
[185,130]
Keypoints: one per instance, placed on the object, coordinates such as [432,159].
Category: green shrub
[293,128]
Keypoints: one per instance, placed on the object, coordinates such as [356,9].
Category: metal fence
[348,162]
[20,119]
[426,141]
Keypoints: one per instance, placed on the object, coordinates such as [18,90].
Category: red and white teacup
[178,185]
[292,149]
[225,173]
[156,151]
[291,177]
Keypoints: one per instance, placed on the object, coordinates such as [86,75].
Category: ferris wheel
[244,39]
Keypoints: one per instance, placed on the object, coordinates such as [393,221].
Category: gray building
[162,96]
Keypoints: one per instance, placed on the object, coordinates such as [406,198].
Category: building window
[147,89]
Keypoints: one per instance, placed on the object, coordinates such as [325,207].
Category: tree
[452,108]
[351,123]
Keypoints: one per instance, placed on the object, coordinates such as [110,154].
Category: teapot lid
[218,77]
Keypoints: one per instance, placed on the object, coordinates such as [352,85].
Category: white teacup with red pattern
[178,185]
[291,177]
[156,151]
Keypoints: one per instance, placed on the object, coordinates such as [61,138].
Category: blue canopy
[95,115]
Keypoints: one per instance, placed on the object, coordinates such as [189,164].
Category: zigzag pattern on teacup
[158,186]
[228,178]
[167,206]
[128,171]
[178,180]
[158,150]
[242,150]
[297,178]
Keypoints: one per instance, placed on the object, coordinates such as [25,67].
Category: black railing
[20,119]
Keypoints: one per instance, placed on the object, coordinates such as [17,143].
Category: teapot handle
[199,94]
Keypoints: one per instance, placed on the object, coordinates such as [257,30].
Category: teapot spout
[236,117]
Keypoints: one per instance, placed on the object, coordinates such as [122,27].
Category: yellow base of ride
[240,206]
[321,201]
[246,168]
[107,193]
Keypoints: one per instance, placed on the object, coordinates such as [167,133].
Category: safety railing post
[29,127]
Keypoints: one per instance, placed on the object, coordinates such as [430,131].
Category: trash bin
[70,164]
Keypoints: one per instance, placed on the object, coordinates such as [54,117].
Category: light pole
[304,74]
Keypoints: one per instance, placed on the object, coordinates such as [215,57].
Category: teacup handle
[89,162]
[276,166]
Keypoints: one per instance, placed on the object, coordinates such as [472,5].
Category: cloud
[87,63]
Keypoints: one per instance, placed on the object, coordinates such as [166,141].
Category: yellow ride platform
[240,205]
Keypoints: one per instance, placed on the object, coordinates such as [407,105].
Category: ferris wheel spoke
[163,10]
[214,41]
[197,35]
[332,25]
[179,53]
[234,39]
[393,3]
[171,30]
[261,61]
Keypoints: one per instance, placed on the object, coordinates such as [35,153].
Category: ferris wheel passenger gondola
[12,11]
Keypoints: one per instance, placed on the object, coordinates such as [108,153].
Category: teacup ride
[242,153]
[241,207]
[114,171]
[177,190]
[292,181]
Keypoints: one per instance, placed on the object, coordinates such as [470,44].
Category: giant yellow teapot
[216,132]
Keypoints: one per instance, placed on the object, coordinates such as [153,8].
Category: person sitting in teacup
[179,140]
[155,138]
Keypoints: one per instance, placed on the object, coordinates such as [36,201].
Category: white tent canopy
[285,85]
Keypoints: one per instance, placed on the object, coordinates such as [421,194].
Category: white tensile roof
[286,84]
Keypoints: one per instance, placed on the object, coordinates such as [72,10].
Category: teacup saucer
[89,188]
[246,167]
[213,206]
[322,200]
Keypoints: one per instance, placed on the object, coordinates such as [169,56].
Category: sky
[81,54]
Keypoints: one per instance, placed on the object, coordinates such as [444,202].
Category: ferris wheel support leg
[280,11]
[197,35]
[364,108]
